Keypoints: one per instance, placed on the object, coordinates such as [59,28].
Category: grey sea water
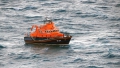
[94,25]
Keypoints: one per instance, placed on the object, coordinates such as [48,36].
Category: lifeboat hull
[57,40]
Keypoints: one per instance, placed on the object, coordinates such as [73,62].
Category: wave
[115,63]
[1,47]
[49,4]
[46,60]
[24,55]
[77,60]
[115,25]
[114,18]
[110,55]
[20,8]
[94,52]
[117,5]
[103,40]
[88,2]
[88,15]
[30,8]
[60,10]
[85,15]
[33,16]
[94,67]
[81,26]
[114,37]
[2,4]
[7,27]
[4,1]
[105,7]
[108,18]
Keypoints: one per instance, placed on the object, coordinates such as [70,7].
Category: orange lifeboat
[47,33]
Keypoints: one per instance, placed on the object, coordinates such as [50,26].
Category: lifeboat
[47,33]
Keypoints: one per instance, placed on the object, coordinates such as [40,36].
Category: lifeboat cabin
[47,33]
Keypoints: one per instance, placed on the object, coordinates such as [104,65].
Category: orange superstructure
[47,33]
[48,30]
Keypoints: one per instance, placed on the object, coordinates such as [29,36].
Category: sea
[93,24]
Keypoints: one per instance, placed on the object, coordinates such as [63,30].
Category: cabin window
[49,31]
[45,31]
[40,31]
[54,30]
[58,40]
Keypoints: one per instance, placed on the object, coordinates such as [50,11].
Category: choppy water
[94,25]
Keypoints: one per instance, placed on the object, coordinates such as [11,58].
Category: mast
[47,20]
